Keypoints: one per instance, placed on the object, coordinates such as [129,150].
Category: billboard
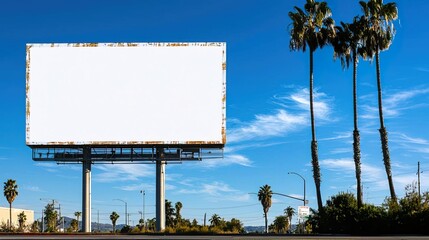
[126,94]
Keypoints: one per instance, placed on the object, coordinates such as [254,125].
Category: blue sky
[267,107]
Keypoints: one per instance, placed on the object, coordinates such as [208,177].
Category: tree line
[175,223]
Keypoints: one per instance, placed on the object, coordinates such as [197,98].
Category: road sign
[303,212]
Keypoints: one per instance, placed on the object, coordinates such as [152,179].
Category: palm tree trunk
[10,216]
[314,154]
[356,135]
[383,133]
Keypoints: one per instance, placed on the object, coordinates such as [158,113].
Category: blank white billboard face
[126,94]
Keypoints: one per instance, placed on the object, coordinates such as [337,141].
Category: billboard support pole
[160,190]
[86,190]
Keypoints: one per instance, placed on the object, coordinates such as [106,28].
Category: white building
[4,216]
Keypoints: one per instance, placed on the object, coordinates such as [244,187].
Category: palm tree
[77,214]
[313,27]
[169,213]
[178,207]
[379,35]
[289,212]
[348,46]
[113,217]
[280,224]
[215,220]
[21,220]
[264,196]
[10,191]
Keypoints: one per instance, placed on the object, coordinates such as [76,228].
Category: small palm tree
[264,196]
[289,212]
[349,46]
[215,220]
[21,220]
[312,27]
[378,37]
[10,191]
[113,217]
[77,214]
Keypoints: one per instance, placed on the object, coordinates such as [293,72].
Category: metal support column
[160,190]
[86,190]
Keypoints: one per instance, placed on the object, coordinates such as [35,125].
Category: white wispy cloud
[292,115]
[413,144]
[33,188]
[50,167]
[216,191]
[394,103]
[137,187]
[267,125]
[338,136]
[341,150]
[122,172]
[347,165]
[229,159]
[423,69]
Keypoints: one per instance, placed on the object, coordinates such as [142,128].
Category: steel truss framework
[124,154]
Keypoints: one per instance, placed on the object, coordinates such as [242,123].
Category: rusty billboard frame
[61,144]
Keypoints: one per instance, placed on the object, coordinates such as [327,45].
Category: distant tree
[74,224]
[264,196]
[280,224]
[21,220]
[194,222]
[77,214]
[51,216]
[289,212]
[151,223]
[178,207]
[169,214]
[141,224]
[10,191]
[35,227]
[312,28]
[113,217]
[215,220]
[234,225]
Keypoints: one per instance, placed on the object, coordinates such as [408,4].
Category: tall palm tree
[312,27]
[264,196]
[113,217]
[10,191]
[379,35]
[289,212]
[349,46]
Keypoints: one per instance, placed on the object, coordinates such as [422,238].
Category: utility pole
[205,214]
[418,181]
[43,222]
[98,220]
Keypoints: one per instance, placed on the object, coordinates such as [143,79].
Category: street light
[126,210]
[143,193]
[302,179]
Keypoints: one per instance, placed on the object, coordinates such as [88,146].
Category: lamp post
[143,194]
[126,210]
[302,179]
